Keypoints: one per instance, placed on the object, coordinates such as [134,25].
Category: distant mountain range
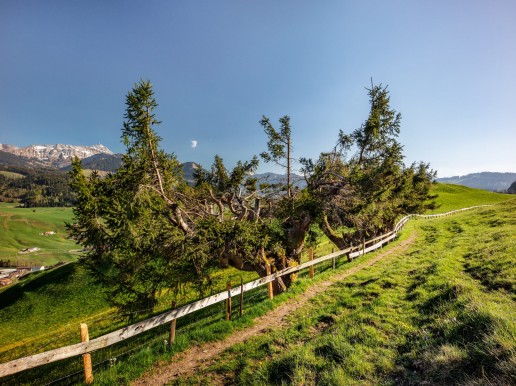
[102,161]
[55,155]
[275,179]
[497,182]
[98,157]
[58,158]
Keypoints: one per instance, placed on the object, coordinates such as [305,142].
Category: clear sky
[218,66]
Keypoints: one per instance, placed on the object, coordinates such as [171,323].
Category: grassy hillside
[44,311]
[13,175]
[21,228]
[441,314]
[451,197]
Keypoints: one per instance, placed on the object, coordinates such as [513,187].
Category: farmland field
[22,228]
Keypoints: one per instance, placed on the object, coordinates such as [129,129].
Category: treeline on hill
[147,231]
[38,187]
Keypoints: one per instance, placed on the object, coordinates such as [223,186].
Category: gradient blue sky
[218,66]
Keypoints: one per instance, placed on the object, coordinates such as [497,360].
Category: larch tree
[134,224]
[363,195]
[145,230]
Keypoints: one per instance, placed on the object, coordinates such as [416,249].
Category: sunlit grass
[21,228]
[383,313]
[425,316]
[451,197]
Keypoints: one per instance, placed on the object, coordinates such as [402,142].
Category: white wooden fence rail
[46,357]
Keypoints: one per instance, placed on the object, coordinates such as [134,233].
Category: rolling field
[397,322]
[441,313]
[21,228]
[451,197]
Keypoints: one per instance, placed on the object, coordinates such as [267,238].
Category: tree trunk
[340,241]
[296,240]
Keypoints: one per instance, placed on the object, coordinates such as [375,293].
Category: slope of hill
[24,228]
[451,197]
[440,313]
[512,188]
[496,182]
[27,182]
[103,162]
[451,232]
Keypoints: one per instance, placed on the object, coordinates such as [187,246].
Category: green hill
[441,313]
[44,310]
[22,228]
[451,197]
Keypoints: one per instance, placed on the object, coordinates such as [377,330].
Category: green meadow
[441,312]
[451,197]
[22,228]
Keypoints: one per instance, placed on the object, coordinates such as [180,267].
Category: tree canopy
[145,230]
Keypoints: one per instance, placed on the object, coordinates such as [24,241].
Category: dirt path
[191,360]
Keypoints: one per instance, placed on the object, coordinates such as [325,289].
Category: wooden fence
[87,346]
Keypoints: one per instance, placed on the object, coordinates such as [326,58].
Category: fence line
[117,336]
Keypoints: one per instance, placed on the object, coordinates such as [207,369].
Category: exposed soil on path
[198,357]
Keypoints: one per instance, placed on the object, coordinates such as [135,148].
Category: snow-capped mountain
[56,155]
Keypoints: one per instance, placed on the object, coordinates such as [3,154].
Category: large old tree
[145,230]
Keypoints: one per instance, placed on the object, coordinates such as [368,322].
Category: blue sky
[218,66]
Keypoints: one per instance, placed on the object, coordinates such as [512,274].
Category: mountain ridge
[494,181]
[99,157]
[57,155]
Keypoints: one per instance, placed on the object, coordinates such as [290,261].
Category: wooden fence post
[241,308]
[270,290]
[228,301]
[311,253]
[172,335]
[350,259]
[363,246]
[332,260]
[86,358]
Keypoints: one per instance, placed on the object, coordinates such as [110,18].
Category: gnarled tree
[146,230]
[363,195]
[134,224]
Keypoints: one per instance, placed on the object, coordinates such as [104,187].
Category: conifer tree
[132,223]
[364,194]
[145,230]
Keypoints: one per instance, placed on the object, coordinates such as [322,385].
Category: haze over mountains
[99,157]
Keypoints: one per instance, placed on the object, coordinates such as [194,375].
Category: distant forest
[31,183]
[36,188]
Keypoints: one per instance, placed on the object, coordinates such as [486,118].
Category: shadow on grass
[60,275]
[454,343]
